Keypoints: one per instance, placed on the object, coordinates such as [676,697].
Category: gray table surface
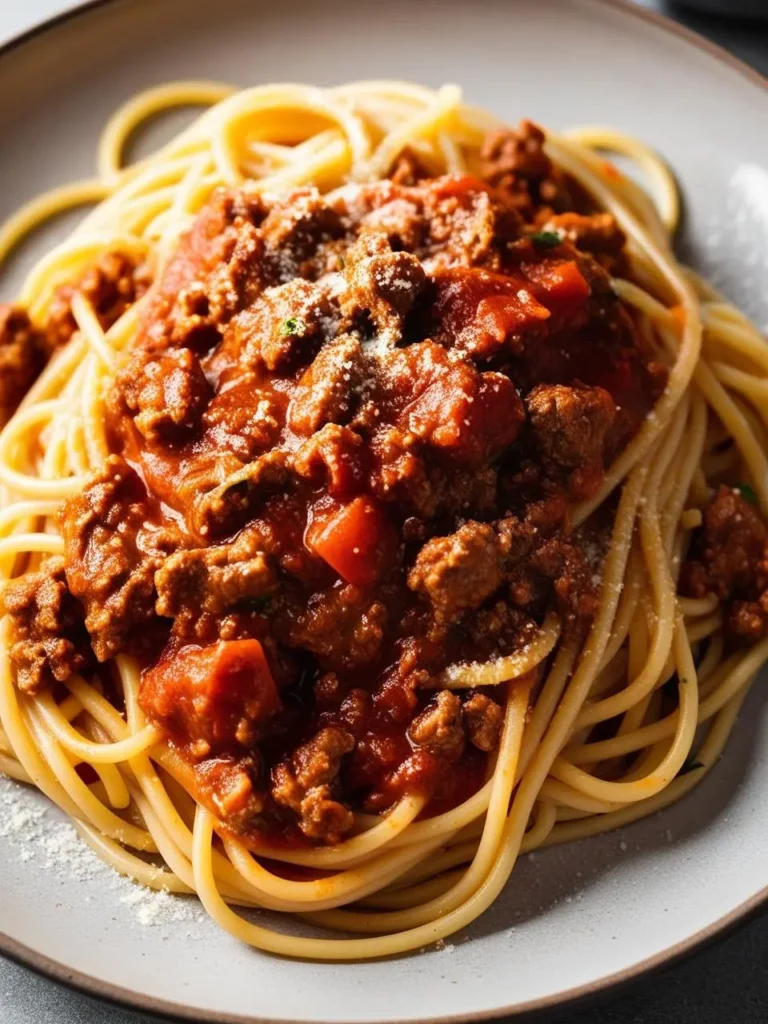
[725,984]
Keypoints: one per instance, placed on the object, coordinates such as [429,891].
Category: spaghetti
[605,717]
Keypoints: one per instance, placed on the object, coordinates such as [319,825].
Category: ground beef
[334,456]
[483,719]
[243,419]
[729,558]
[408,168]
[439,728]
[570,424]
[221,510]
[595,233]
[295,228]
[166,394]
[110,560]
[343,628]
[330,389]
[50,641]
[201,584]
[466,227]
[555,571]
[284,328]
[459,571]
[515,162]
[305,785]
[110,286]
[23,354]
[382,285]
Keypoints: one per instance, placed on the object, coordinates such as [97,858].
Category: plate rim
[571,998]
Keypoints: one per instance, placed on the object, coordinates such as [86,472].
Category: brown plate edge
[571,998]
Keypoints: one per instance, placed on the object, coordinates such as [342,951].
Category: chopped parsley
[342,263]
[690,765]
[747,493]
[294,325]
[546,239]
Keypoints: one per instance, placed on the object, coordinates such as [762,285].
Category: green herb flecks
[294,326]
[546,239]
[747,493]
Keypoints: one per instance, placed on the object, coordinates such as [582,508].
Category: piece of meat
[284,328]
[408,169]
[439,728]
[343,627]
[447,405]
[243,418]
[403,475]
[227,784]
[238,280]
[110,559]
[515,162]
[23,354]
[329,390]
[356,710]
[215,270]
[382,285]
[483,719]
[201,584]
[466,228]
[334,457]
[221,510]
[305,785]
[212,699]
[729,558]
[110,286]
[458,572]
[499,629]
[556,570]
[729,549]
[49,640]
[166,394]
[293,230]
[570,424]
[595,233]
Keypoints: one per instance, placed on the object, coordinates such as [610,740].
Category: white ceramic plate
[574,919]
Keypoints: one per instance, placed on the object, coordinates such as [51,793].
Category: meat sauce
[345,445]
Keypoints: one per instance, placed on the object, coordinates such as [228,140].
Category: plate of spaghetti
[384,525]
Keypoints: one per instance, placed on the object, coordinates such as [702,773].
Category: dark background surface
[724,984]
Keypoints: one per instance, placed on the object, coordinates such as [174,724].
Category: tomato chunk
[212,699]
[356,541]
[563,284]
[501,315]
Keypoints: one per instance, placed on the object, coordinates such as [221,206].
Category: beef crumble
[111,285]
[345,441]
[729,558]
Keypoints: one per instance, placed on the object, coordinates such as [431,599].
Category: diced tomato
[212,697]
[501,315]
[479,309]
[356,541]
[563,284]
